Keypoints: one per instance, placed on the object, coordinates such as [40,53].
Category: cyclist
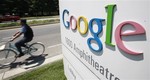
[28,36]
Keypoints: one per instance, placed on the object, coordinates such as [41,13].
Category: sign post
[105,40]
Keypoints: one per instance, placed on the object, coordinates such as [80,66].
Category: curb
[14,72]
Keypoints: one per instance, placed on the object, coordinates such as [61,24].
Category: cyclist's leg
[24,45]
[18,45]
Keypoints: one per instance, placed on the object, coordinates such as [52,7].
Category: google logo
[118,31]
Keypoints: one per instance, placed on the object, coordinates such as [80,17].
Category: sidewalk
[14,72]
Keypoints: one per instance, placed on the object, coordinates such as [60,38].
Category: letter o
[85,22]
[73,27]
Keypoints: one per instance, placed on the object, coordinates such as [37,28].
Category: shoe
[19,55]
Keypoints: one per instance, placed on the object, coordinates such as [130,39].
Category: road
[49,35]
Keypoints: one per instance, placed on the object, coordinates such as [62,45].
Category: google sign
[109,28]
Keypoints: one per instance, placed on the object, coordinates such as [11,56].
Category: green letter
[110,11]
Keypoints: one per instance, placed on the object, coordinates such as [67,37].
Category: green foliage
[31,23]
[9,24]
[29,7]
[35,22]
[54,71]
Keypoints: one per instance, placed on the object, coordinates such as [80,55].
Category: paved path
[47,34]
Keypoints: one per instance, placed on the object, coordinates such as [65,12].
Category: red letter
[118,33]
[73,27]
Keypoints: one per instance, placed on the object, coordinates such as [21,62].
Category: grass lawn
[33,22]
[53,71]
[40,17]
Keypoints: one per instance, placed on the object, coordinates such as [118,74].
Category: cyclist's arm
[17,35]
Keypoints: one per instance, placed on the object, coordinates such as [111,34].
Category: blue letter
[65,11]
[96,38]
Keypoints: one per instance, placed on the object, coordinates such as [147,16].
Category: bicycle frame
[13,47]
[9,51]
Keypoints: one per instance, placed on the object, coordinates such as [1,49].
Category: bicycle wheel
[36,49]
[7,56]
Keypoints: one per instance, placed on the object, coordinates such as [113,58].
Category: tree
[32,7]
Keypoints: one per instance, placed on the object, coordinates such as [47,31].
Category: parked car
[9,18]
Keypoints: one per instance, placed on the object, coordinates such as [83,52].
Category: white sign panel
[106,39]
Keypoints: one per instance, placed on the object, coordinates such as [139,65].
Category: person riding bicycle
[27,31]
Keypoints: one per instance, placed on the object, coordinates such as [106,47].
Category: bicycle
[8,51]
